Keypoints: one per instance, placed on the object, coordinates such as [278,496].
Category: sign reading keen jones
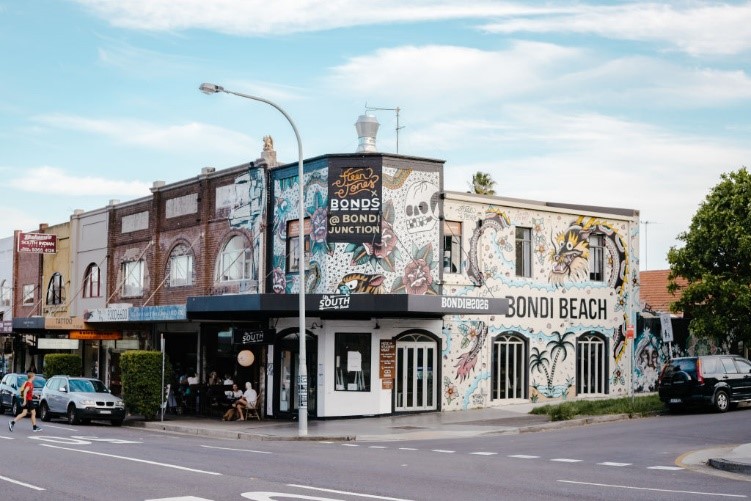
[354,213]
[37,243]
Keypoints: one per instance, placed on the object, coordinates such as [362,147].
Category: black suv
[717,380]
[10,388]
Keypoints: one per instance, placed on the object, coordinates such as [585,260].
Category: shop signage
[107,315]
[6,326]
[57,344]
[563,308]
[334,302]
[253,336]
[667,327]
[64,323]
[37,243]
[354,211]
[388,360]
[28,323]
[96,335]
[157,313]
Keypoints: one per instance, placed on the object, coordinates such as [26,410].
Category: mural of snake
[496,220]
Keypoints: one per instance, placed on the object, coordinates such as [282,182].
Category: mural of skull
[421,207]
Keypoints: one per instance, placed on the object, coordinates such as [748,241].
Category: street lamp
[302,376]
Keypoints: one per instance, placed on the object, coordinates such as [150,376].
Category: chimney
[367,128]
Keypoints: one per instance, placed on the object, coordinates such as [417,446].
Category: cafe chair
[252,411]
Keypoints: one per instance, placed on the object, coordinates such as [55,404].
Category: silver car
[80,400]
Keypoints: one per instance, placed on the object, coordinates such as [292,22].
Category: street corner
[703,461]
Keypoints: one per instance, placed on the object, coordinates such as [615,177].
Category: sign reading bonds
[37,243]
[354,212]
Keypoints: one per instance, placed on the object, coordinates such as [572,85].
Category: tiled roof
[653,290]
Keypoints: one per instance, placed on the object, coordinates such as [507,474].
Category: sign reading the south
[354,212]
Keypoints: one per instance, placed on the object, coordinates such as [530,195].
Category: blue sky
[619,104]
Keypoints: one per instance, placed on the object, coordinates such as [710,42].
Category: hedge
[67,364]
[141,376]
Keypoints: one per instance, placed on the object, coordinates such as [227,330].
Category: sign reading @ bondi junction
[354,211]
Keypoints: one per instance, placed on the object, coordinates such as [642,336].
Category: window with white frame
[591,364]
[352,365]
[180,266]
[234,261]
[132,273]
[91,281]
[28,294]
[55,289]
[509,378]
[596,258]
[452,247]
[293,245]
[523,252]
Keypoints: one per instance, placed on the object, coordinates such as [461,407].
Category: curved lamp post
[302,376]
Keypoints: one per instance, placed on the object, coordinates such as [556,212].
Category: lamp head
[210,88]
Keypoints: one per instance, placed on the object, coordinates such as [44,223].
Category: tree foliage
[482,184]
[715,261]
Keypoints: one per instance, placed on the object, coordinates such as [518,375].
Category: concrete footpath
[509,419]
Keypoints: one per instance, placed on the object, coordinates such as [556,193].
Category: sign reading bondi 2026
[354,213]
[37,243]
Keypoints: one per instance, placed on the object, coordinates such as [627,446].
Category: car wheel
[44,412]
[72,416]
[15,408]
[117,422]
[721,401]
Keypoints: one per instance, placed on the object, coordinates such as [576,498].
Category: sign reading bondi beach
[354,212]
[37,243]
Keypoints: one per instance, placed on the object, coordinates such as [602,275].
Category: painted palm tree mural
[558,348]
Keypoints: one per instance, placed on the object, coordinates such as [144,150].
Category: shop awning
[245,306]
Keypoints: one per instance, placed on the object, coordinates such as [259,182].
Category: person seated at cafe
[228,379]
[248,398]
[234,394]
[214,379]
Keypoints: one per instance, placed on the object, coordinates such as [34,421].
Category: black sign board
[354,212]
[252,336]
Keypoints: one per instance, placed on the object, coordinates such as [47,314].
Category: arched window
[509,378]
[591,364]
[234,261]
[91,281]
[55,290]
[180,266]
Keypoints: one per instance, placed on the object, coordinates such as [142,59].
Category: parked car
[79,400]
[10,391]
[721,381]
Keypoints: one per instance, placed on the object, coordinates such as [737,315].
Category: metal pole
[163,403]
[302,376]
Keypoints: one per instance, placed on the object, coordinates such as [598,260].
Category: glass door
[289,365]
[415,384]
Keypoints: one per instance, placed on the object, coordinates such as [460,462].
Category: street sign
[667,327]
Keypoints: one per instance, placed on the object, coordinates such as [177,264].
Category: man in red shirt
[27,395]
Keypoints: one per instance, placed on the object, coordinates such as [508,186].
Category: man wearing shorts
[27,395]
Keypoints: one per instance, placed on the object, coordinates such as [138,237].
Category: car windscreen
[82,385]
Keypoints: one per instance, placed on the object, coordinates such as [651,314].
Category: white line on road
[6,438]
[444,451]
[166,465]
[668,468]
[608,463]
[408,449]
[23,484]
[238,450]
[351,445]
[484,453]
[655,490]
[523,456]
[566,460]
[372,496]
[377,447]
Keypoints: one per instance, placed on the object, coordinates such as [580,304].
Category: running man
[27,396]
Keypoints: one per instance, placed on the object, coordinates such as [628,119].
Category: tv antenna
[398,128]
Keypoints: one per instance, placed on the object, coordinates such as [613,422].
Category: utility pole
[646,243]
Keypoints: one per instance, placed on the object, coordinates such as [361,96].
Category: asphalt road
[635,459]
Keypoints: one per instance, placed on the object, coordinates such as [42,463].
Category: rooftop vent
[367,128]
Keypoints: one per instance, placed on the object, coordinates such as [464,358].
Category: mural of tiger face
[361,283]
[570,255]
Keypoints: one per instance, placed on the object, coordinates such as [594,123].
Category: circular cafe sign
[245,358]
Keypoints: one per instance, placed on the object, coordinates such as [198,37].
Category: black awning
[28,323]
[257,306]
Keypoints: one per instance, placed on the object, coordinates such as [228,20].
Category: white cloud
[57,181]
[694,28]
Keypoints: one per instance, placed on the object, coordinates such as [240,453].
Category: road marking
[351,445]
[181,498]
[566,460]
[654,490]
[23,484]
[333,491]
[523,456]
[484,453]
[608,463]
[6,438]
[408,449]
[166,465]
[377,447]
[238,450]
[443,451]
[669,468]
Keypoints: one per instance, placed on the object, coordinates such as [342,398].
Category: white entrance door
[415,385]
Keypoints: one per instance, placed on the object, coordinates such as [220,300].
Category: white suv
[80,399]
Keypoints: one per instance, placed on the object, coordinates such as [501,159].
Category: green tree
[715,262]
[482,184]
